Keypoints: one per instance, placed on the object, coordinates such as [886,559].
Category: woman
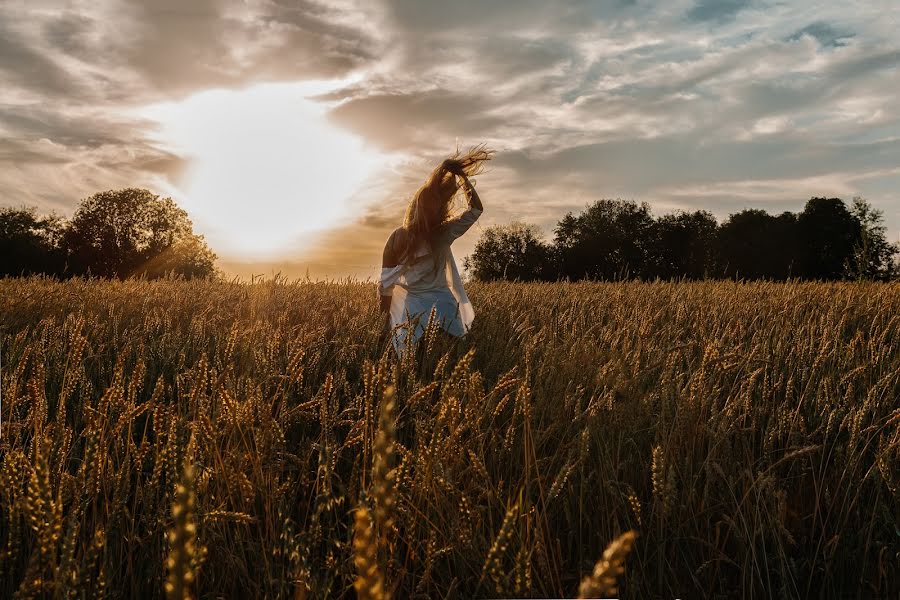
[418,271]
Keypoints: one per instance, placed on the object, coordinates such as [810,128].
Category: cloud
[717,10]
[21,65]
[181,47]
[72,77]
[825,33]
[411,120]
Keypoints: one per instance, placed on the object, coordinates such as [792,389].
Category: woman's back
[428,268]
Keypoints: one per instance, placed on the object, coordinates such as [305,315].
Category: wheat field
[654,440]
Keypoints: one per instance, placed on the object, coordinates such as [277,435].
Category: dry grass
[750,434]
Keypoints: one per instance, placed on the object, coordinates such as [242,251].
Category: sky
[294,133]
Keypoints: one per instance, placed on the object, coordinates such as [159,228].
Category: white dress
[416,287]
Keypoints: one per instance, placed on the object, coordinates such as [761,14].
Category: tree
[29,243]
[873,255]
[514,251]
[829,235]
[131,232]
[752,244]
[683,245]
[609,240]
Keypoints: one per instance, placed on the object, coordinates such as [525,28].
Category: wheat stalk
[369,582]
[602,582]
[186,554]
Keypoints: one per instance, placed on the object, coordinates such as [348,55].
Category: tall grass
[219,439]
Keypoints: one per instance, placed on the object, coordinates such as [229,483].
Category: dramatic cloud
[714,104]
[717,10]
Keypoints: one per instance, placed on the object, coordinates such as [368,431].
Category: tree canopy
[611,239]
[29,243]
[873,255]
[618,239]
[828,234]
[752,244]
[515,251]
[117,234]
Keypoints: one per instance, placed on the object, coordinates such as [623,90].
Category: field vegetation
[218,439]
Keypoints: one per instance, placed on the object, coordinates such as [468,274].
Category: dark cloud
[875,58]
[22,65]
[160,48]
[825,33]
[170,166]
[181,47]
[69,32]
[74,129]
[468,15]
[17,152]
[717,10]
[474,17]
[504,56]
[413,120]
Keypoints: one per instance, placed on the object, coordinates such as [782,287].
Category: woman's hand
[455,167]
[451,165]
[471,194]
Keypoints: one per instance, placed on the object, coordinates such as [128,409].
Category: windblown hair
[429,207]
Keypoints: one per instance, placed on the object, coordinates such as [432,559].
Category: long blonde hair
[429,207]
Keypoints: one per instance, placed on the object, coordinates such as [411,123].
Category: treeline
[133,232]
[618,239]
[122,233]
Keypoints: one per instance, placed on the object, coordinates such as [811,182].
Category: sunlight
[266,167]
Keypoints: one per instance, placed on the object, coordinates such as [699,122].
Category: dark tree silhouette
[873,256]
[617,239]
[29,243]
[513,251]
[683,245]
[611,239]
[828,235]
[133,232]
[752,244]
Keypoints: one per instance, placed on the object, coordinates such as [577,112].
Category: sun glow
[267,169]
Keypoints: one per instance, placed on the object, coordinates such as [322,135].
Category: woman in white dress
[418,271]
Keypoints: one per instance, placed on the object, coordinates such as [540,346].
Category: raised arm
[457,226]
[471,194]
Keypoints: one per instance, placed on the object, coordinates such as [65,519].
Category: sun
[266,168]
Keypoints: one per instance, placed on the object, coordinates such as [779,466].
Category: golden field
[233,440]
